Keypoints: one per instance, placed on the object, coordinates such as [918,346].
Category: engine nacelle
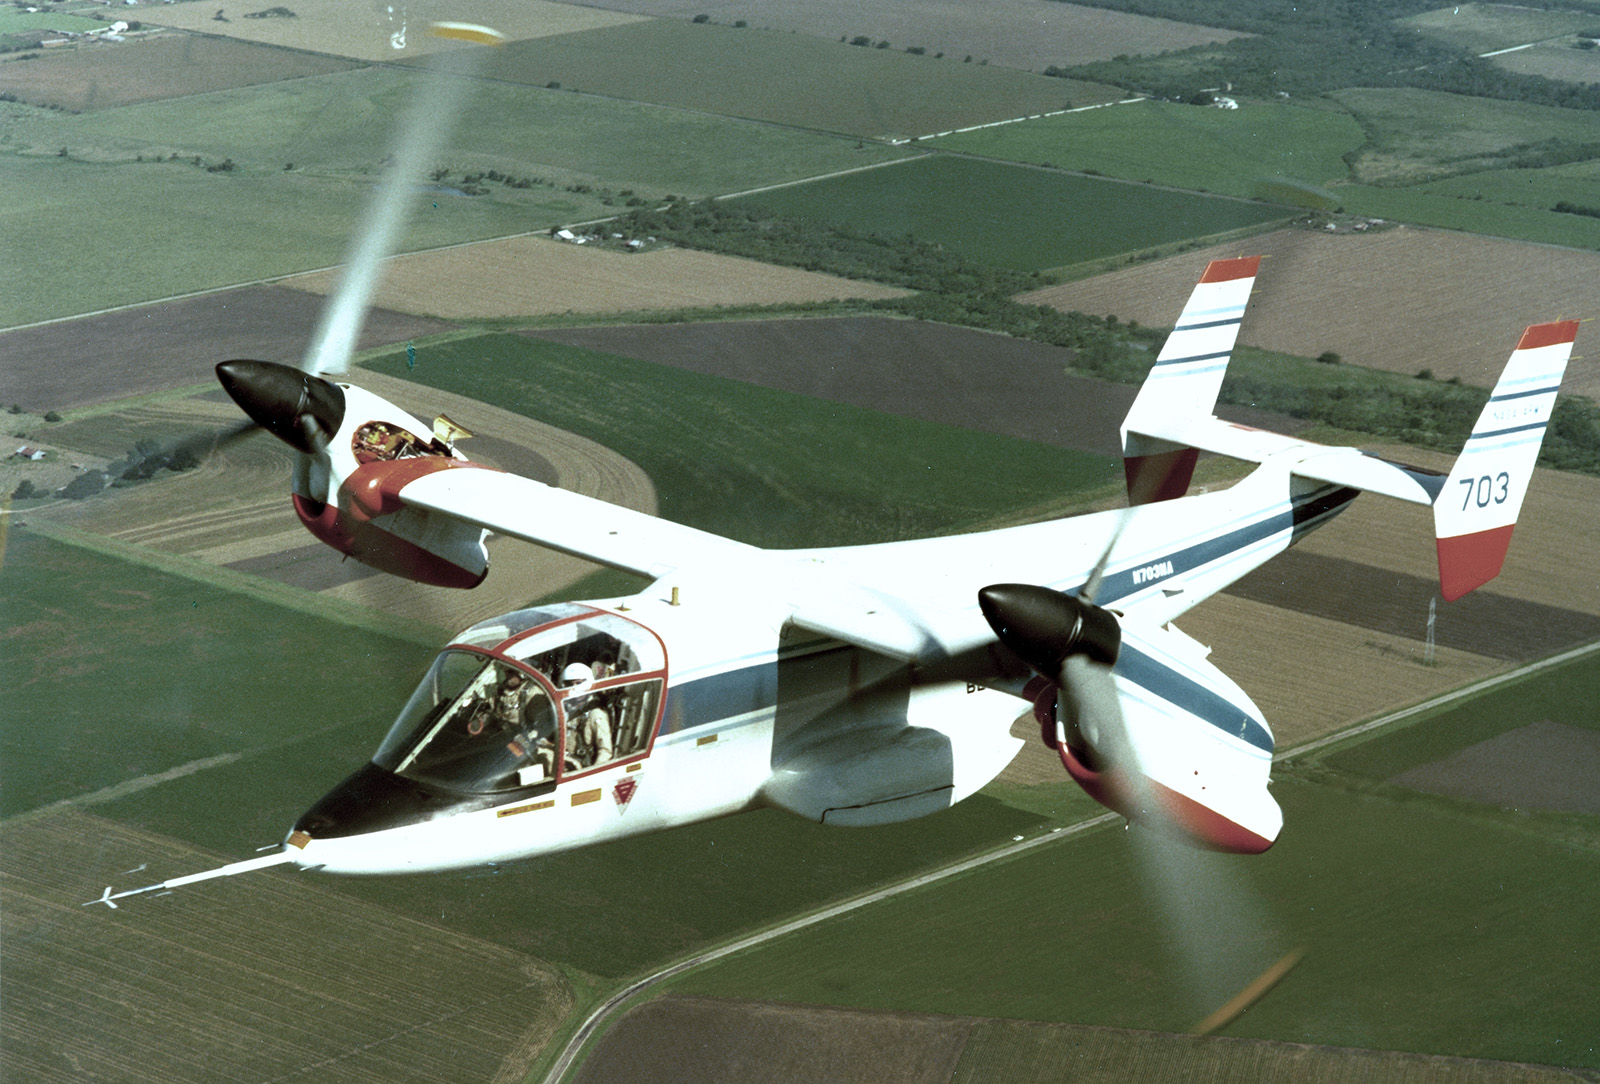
[1205,750]
[348,496]
[355,453]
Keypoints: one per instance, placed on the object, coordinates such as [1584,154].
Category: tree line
[952,289]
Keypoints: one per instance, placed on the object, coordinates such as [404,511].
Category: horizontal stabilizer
[1306,459]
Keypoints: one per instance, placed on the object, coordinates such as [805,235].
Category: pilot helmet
[576,675]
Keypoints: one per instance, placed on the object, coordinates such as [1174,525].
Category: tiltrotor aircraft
[852,686]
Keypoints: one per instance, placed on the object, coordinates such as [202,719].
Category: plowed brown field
[535,276]
[1401,299]
[1027,34]
[365,31]
[149,69]
[273,978]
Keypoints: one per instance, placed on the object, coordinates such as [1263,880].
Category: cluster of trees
[1308,49]
[1563,207]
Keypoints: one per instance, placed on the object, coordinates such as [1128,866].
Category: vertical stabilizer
[1475,511]
[1184,381]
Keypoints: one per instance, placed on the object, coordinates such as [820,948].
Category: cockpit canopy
[531,697]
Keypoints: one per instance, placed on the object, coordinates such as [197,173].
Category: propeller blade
[1091,587]
[423,128]
[302,410]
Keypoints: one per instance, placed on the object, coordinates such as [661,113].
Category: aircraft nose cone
[302,410]
[375,799]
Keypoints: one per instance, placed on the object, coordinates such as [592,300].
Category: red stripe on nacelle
[1561,331]
[379,549]
[1471,560]
[1201,823]
[1245,267]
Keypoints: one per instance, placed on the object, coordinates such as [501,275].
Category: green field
[1421,135]
[1432,925]
[118,671]
[1214,150]
[790,79]
[1480,28]
[1014,217]
[15,20]
[1567,699]
[767,467]
[1399,140]
[153,229]
[1578,183]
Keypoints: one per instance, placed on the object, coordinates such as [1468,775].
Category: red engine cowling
[1193,820]
[376,528]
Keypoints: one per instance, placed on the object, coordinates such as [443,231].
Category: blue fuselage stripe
[1186,694]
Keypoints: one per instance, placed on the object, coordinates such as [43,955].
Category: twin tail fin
[1474,506]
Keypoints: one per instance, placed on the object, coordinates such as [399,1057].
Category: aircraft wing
[596,530]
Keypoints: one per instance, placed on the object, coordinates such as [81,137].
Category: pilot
[504,713]
[588,723]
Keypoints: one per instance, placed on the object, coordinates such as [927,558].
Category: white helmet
[576,675]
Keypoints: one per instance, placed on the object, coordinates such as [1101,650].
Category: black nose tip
[302,410]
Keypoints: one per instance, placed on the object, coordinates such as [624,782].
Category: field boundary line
[821,177]
[226,579]
[1016,120]
[1465,692]
[591,1024]
[124,788]
[597,1018]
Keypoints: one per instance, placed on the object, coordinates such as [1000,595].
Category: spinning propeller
[1216,924]
[1074,644]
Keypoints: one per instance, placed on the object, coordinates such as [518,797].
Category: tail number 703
[1485,489]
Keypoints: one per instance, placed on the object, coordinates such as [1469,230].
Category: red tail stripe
[1561,331]
[1245,267]
[1468,561]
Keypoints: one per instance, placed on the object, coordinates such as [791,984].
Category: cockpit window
[497,629]
[475,724]
[531,697]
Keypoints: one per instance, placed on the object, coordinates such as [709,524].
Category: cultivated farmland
[1401,300]
[536,276]
[147,69]
[789,79]
[384,33]
[259,219]
[1372,157]
[1400,899]
[277,977]
[1018,217]
[1482,28]
[721,1039]
[1027,34]
[1229,151]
